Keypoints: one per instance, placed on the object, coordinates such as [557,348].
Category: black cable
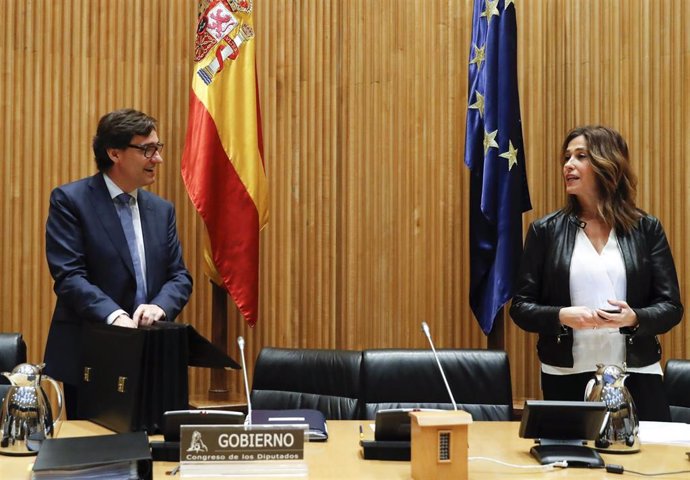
[619,469]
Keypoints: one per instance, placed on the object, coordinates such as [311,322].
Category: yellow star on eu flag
[479,55]
[479,104]
[491,10]
[508,2]
[511,155]
[490,140]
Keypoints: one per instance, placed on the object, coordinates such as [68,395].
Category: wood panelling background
[363,107]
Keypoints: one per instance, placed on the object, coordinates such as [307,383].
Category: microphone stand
[425,329]
[240,343]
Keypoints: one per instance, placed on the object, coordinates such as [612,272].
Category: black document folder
[131,377]
[316,432]
[123,455]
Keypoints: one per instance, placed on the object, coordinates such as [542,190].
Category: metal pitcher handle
[58,390]
[588,390]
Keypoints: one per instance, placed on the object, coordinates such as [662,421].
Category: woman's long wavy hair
[608,154]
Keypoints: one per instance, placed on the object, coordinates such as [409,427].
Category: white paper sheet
[669,433]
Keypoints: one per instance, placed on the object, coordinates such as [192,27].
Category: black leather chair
[479,380]
[326,380]
[677,385]
[12,353]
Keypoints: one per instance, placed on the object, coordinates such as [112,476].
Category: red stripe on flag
[259,130]
[228,211]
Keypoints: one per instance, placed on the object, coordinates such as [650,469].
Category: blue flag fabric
[495,154]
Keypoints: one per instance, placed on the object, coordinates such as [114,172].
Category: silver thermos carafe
[619,432]
[27,417]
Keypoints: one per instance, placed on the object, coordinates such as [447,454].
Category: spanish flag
[222,164]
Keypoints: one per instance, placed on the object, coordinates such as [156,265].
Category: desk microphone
[240,343]
[425,329]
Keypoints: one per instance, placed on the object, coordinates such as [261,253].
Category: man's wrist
[113,316]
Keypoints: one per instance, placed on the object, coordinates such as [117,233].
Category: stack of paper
[669,433]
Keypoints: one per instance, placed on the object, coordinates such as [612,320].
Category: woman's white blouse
[594,279]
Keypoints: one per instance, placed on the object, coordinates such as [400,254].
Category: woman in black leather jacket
[597,280]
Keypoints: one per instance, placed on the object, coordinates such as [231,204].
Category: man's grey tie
[125,212]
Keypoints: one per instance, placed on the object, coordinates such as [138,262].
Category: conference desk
[340,457]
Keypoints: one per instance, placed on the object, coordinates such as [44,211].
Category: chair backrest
[12,353]
[677,385]
[479,380]
[326,380]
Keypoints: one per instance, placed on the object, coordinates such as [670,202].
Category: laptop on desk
[317,430]
[174,419]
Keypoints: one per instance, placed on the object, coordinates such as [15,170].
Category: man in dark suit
[115,258]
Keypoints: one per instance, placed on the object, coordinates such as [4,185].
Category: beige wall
[363,108]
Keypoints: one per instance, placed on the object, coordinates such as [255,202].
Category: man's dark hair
[116,130]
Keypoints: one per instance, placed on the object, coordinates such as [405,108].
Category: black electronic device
[562,429]
[392,424]
[609,310]
[391,436]
[172,420]
[385,450]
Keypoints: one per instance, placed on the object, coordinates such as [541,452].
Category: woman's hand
[626,317]
[579,318]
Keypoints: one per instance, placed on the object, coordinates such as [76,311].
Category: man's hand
[124,321]
[148,314]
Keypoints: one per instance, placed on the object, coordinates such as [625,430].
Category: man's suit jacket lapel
[151,241]
[107,215]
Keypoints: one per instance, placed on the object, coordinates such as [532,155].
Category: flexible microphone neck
[248,420]
[425,329]
[579,223]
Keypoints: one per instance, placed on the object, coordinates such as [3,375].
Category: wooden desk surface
[340,457]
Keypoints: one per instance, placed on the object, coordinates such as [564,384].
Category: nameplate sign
[241,443]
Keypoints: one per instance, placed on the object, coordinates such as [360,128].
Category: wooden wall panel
[400,171]
[363,106]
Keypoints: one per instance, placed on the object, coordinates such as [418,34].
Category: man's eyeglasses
[149,149]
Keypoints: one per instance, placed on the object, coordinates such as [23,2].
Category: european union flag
[495,154]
